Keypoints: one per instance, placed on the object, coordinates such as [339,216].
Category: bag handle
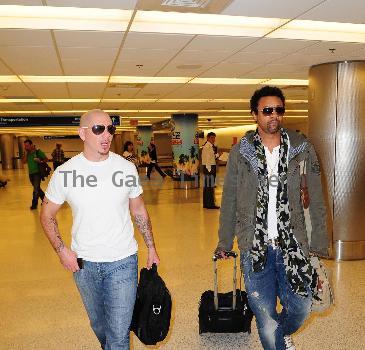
[215,258]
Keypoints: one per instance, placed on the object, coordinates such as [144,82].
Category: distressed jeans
[263,289]
[108,291]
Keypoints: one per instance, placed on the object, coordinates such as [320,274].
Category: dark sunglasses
[98,129]
[267,111]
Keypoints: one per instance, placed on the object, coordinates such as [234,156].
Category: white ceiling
[99,53]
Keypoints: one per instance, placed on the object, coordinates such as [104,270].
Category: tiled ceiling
[51,52]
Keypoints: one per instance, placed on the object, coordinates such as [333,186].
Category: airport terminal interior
[153,65]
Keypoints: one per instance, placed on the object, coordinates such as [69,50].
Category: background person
[153,164]
[128,153]
[33,157]
[58,156]
[103,253]
[261,206]
[209,159]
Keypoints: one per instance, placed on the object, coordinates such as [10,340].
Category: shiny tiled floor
[41,309]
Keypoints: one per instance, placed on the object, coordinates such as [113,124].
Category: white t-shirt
[98,194]
[272,161]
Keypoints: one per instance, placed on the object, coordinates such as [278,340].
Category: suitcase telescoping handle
[217,257]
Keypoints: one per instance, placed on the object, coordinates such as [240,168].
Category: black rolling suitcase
[224,312]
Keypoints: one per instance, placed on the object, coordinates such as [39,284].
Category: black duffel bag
[224,312]
[44,168]
[152,310]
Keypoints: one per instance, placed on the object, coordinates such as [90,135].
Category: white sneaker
[289,345]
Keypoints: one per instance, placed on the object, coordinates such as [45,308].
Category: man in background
[153,164]
[209,157]
[33,157]
[58,156]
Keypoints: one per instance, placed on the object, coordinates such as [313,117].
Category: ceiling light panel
[9,79]
[105,4]
[149,80]
[226,81]
[297,82]
[66,18]
[208,24]
[63,79]
[19,100]
[318,30]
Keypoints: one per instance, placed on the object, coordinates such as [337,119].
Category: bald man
[103,191]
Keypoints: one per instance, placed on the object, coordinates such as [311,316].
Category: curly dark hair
[127,143]
[263,92]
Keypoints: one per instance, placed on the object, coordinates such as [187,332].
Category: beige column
[118,144]
[21,140]
[7,151]
[337,129]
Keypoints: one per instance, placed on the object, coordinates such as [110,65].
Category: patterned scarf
[297,267]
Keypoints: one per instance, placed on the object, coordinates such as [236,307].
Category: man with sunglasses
[261,206]
[103,253]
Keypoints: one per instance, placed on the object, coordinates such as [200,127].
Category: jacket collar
[298,144]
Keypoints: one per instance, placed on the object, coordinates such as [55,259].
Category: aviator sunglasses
[98,129]
[267,111]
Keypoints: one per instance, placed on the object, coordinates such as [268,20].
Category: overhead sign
[58,137]
[28,121]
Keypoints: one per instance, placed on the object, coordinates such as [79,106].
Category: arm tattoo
[57,244]
[144,225]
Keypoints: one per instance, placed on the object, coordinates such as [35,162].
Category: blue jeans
[108,291]
[35,180]
[263,288]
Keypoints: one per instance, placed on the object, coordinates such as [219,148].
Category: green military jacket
[238,208]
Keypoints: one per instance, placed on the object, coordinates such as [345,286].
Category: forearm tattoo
[57,243]
[145,227]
